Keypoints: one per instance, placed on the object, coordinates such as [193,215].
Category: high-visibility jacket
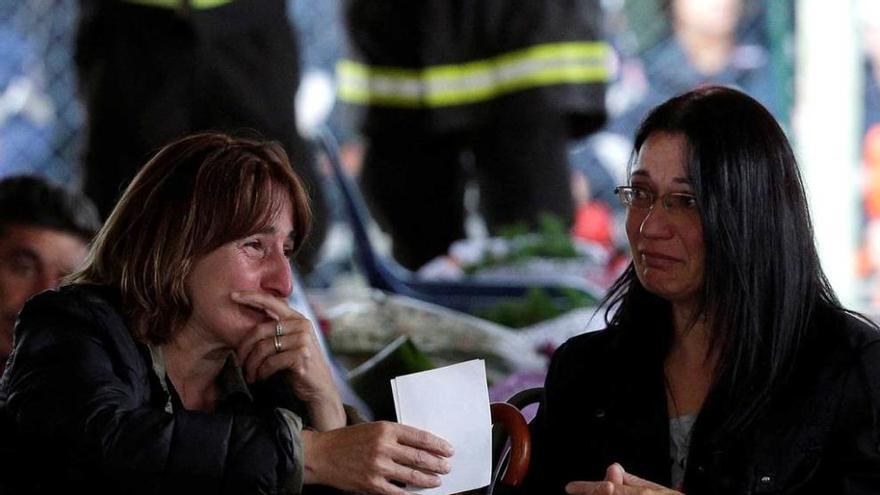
[444,65]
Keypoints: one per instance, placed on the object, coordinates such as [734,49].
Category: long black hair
[763,281]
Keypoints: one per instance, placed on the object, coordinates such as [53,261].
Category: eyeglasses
[642,199]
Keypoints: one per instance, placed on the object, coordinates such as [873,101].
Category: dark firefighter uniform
[492,89]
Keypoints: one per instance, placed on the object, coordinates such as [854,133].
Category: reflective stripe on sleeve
[472,82]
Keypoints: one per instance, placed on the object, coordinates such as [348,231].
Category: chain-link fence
[40,117]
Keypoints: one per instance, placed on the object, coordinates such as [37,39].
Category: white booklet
[453,403]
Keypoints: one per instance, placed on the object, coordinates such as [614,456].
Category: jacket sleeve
[857,432]
[77,384]
[540,478]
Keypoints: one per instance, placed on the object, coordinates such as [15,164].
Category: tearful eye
[22,267]
[642,198]
[680,203]
[253,245]
[686,202]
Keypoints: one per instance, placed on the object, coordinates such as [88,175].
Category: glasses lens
[640,198]
[681,203]
[624,194]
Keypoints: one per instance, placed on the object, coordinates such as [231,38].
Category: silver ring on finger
[279,331]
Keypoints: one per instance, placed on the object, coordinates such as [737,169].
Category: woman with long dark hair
[728,365]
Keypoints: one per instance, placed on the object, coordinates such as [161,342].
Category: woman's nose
[278,278]
[656,223]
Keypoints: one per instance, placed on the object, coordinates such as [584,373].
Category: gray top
[679,443]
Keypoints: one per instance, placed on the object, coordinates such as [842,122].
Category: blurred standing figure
[504,83]
[153,70]
[707,44]
[44,233]
[704,42]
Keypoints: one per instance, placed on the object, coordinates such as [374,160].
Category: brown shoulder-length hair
[193,196]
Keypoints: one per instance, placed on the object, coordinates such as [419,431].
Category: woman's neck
[692,336]
[690,362]
[193,364]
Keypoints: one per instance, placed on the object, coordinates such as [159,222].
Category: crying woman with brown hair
[172,363]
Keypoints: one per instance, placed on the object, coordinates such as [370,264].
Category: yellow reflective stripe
[176,4]
[573,49]
[570,75]
[448,85]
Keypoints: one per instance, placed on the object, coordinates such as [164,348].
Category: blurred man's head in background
[44,235]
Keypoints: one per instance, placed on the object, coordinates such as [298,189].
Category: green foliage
[551,240]
[537,306]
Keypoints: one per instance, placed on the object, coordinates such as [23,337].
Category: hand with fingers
[287,344]
[371,457]
[618,482]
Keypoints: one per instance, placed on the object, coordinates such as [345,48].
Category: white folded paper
[453,403]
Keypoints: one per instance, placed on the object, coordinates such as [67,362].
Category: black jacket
[606,403]
[81,411]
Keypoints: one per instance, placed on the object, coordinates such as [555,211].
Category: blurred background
[814,64]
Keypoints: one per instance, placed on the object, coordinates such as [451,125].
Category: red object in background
[867,262]
[871,160]
[324,325]
[592,222]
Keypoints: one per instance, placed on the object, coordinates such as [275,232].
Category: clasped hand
[295,351]
[618,482]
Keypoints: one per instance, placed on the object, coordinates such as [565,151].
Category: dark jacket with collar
[81,410]
[605,402]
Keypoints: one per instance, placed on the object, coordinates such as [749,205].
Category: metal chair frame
[511,463]
[385,274]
